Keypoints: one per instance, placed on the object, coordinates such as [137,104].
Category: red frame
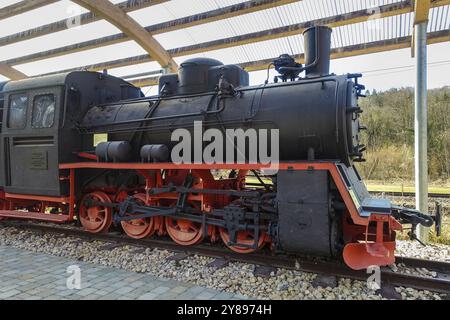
[357,255]
[141,167]
[11,197]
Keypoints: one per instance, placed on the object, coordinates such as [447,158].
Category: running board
[34,216]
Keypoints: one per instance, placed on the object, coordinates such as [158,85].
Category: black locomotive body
[316,116]
[91,147]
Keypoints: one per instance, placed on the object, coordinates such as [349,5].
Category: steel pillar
[421,124]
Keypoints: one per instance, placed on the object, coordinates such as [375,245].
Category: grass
[443,239]
[403,188]
[445,233]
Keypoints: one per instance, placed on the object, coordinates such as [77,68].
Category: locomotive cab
[39,129]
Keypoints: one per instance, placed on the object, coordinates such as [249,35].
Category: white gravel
[236,277]
[433,251]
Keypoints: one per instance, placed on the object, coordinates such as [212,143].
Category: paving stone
[20,297]
[124,290]
[26,275]
[91,297]
[53,297]
[187,296]
[86,292]
[8,288]
[179,289]
[240,297]
[205,295]
[160,290]
[107,297]
[64,293]
[33,298]
[167,296]
[196,289]
[9,294]
[223,296]
[137,284]
[148,296]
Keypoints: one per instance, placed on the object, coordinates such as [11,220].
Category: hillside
[389,118]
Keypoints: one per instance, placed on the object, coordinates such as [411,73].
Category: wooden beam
[132,5]
[83,19]
[421,11]
[337,53]
[23,6]
[334,21]
[177,24]
[218,14]
[11,73]
[131,28]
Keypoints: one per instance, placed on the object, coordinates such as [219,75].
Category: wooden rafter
[131,28]
[281,32]
[334,21]
[83,19]
[421,10]
[23,6]
[11,73]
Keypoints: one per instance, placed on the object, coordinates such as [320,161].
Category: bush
[389,163]
[389,117]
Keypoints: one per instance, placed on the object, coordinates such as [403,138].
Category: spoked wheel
[184,232]
[139,228]
[246,238]
[96,218]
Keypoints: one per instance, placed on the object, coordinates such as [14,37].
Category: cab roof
[53,80]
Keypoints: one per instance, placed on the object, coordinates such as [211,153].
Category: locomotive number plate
[39,160]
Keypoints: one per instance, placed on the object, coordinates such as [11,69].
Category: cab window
[43,115]
[17,114]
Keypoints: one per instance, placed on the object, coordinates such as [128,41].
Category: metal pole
[421,124]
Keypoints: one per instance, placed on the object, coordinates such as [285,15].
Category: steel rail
[319,266]
[410,194]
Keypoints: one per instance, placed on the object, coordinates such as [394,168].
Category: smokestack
[317,51]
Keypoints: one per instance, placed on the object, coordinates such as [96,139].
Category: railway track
[432,195]
[389,278]
[410,194]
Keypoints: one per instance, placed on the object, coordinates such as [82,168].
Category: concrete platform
[26,275]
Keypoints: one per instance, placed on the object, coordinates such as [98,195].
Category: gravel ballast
[235,277]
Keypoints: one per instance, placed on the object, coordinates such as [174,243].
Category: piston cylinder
[113,151]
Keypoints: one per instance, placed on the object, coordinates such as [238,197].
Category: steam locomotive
[90,147]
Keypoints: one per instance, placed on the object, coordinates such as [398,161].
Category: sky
[381,71]
[392,69]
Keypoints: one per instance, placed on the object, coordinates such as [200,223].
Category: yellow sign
[100,137]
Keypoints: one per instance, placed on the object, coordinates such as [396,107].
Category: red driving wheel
[95,218]
[244,237]
[139,228]
[184,232]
